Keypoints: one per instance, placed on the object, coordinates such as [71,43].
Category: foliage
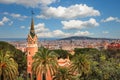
[6,47]
[86,64]
[17,55]
[80,65]
[115,53]
[83,50]
[8,67]
[63,73]
[104,64]
[20,78]
[61,53]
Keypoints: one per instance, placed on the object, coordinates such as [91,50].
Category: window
[29,63]
[29,53]
[29,75]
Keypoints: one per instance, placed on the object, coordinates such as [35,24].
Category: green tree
[104,67]
[63,73]
[61,53]
[20,58]
[80,65]
[8,67]
[84,50]
[17,55]
[44,61]
[20,78]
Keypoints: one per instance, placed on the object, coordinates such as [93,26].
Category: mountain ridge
[85,38]
[66,38]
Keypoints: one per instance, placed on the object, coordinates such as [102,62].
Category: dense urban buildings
[68,45]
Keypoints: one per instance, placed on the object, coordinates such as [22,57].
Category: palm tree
[45,61]
[63,73]
[80,65]
[8,67]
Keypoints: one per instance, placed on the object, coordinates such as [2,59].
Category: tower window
[29,53]
[29,63]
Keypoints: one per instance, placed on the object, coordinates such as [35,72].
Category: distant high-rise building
[32,48]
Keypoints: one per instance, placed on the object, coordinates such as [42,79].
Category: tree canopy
[16,54]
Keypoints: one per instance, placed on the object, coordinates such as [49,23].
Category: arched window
[29,75]
[43,76]
[29,63]
[29,53]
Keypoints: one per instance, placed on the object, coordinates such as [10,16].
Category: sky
[60,18]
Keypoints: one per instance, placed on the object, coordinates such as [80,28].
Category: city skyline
[59,18]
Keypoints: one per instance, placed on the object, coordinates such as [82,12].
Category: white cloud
[30,3]
[78,24]
[1,23]
[44,32]
[82,33]
[18,16]
[41,28]
[14,15]
[41,16]
[22,27]
[44,35]
[73,11]
[4,20]
[111,19]
[59,33]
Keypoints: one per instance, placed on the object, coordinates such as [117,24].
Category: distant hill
[85,38]
[67,38]
[6,46]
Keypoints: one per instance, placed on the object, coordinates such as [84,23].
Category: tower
[32,48]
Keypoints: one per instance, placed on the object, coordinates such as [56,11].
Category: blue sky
[60,18]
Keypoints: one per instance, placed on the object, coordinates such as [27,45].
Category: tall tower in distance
[32,48]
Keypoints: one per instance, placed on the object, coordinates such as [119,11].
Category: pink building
[32,48]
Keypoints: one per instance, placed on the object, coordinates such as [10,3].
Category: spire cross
[32,13]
